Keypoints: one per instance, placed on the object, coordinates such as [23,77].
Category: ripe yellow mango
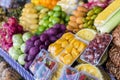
[58,51]
[62,56]
[64,43]
[82,47]
[68,59]
[77,43]
[68,49]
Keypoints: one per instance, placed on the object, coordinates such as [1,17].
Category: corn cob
[108,13]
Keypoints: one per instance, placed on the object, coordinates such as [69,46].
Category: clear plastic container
[95,51]
[50,63]
[72,51]
[37,61]
[43,73]
[69,73]
[57,47]
[86,76]
[45,70]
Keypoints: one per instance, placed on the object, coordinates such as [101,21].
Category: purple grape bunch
[38,42]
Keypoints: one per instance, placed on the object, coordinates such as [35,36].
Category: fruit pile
[72,51]
[36,43]
[18,48]
[8,29]
[70,31]
[91,15]
[77,19]
[51,18]
[96,49]
[29,17]
[42,12]
[57,47]
[48,3]
[72,48]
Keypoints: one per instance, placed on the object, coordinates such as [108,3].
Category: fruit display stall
[60,39]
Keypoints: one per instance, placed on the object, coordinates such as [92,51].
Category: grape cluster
[50,18]
[36,43]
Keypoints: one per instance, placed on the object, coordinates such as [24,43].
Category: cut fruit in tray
[87,34]
[94,71]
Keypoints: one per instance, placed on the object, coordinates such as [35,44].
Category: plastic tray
[21,70]
[65,76]
[97,63]
[77,38]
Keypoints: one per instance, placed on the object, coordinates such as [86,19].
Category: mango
[68,49]
[75,53]
[81,47]
[57,51]
[77,44]
[64,44]
[67,35]
[68,59]
[62,56]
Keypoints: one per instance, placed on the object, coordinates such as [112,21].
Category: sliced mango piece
[58,51]
[62,56]
[82,47]
[75,53]
[60,40]
[77,43]
[67,35]
[68,49]
[68,59]
[70,39]
[73,41]
[64,43]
